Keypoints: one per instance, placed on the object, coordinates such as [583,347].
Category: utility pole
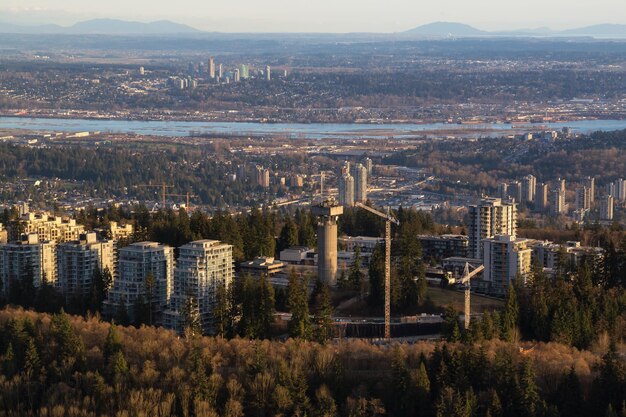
[388,220]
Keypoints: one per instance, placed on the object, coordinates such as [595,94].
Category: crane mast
[388,220]
[465,280]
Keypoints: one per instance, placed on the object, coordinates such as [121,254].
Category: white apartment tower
[135,263]
[590,183]
[360,183]
[28,255]
[77,261]
[202,267]
[346,189]
[505,258]
[489,218]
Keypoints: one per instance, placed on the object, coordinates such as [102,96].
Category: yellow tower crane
[388,220]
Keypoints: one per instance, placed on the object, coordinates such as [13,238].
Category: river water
[295,130]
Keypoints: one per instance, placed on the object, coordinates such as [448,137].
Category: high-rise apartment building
[360,183]
[237,75]
[583,198]
[268,73]
[590,183]
[369,165]
[28,255]
[503,190]
[262,177]
[211,68]
[606,207]
[346,189]
[77,261]
[515,191]
[489,218]
[557,202]
[505,258]
[202,267]
[136,263]
[529,189]
[541,197]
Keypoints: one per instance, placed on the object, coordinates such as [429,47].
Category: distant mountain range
[460,30]
[104,27]
[431,30]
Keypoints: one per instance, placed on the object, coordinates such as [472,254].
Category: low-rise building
[444,246]
[262,265]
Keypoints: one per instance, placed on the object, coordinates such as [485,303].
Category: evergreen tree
[323,310]
[355,276]
[376,297]
[511,314]
[288,235]
[300,323]
[266,308]
[223,311]
[192,324]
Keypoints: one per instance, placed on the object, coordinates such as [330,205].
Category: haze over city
[324,15]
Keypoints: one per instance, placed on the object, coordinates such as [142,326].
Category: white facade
[490,218]
[77,261]
[135,262]
[16,258]
[346,190]
[505,258]
[201,268]
[360,183]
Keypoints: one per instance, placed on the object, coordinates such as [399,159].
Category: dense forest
[116,171]
[68,366]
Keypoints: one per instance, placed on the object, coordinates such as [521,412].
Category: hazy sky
[324,15]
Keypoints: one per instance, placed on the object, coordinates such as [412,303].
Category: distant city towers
[352,183]
[211,68]
[268,73]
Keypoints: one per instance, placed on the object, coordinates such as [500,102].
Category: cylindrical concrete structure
[327,250]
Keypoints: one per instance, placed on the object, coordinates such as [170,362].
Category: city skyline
[324,16]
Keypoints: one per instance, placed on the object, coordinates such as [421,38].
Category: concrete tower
[327,213]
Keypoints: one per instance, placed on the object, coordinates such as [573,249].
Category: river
[295,130]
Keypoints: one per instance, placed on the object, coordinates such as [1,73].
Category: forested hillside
[67,366]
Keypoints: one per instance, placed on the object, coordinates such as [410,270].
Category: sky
[323,15]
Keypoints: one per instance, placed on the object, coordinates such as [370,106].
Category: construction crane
[465,280]
[388,220]
[163,188]
[186,195]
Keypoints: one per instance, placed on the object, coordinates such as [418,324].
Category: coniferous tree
[323,310]
[297,298]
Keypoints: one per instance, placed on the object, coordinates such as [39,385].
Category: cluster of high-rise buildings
[353,181]
[216,72]
[551,198]
[493,241]
[61,253]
